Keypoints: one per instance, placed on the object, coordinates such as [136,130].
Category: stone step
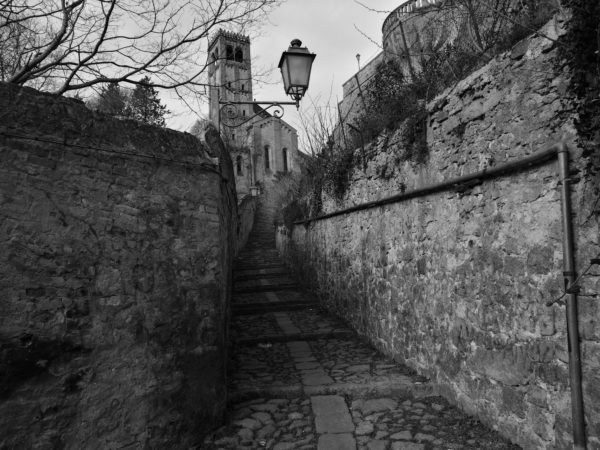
[261,281]
[400,387]
[252,275]
[304,324]
[237,289]
[251,260]
[254,272]
[260,253]
[266,307]
[238,268]
[333,334]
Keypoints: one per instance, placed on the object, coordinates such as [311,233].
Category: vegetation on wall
[395,97]
[393,100]
[405,82]
[142,104]
[580,48]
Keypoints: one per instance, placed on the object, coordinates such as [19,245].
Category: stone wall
[115,266]
[455,284]
[246,215]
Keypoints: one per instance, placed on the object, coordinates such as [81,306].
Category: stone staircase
[300,379]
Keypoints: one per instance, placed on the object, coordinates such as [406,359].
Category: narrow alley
[300,379]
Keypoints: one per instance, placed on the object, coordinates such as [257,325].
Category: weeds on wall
[297,195]
[580,48]
[338,164]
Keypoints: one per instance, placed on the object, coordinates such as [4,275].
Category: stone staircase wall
[246,217]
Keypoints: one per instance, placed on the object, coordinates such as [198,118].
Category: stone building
[418,28]
[262,145]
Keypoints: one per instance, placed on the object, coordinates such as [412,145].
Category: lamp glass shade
[295,65]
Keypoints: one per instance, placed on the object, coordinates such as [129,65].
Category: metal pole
[577,411]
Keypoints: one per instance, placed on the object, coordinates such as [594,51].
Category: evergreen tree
[111,100]
[144,105]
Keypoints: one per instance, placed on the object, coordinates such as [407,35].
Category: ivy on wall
[580,49]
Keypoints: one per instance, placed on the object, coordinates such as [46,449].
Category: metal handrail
[522,164]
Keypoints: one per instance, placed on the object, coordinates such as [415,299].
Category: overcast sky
[327,28]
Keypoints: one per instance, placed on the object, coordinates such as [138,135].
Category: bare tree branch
[66,45]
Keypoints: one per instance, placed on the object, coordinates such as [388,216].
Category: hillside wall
[455,284]
[115,266]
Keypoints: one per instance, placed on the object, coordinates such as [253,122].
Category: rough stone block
[331,414]
[336,442]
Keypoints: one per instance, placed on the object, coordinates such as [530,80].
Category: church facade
[262,146]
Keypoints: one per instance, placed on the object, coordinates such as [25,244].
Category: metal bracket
[232,111]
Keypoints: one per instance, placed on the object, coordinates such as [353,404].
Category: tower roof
[229,35]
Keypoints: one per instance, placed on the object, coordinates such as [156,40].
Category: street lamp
[295,65]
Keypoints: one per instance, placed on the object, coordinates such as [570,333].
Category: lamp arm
[233,112]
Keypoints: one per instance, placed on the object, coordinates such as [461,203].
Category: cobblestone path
[300,379]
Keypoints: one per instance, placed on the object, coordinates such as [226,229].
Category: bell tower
[230,79]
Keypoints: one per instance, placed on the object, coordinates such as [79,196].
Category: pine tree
[111,100]
[144,105]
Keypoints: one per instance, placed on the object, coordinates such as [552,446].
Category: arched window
[238,165]
[229,52]
[267,161]
[239,55]
[285,159]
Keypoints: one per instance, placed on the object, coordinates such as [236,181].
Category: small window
[233,136]
[229,52]
[244,112]
[285,159]
[238,166]
[267,162]
[239,55]
[229,84]
[243,87]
